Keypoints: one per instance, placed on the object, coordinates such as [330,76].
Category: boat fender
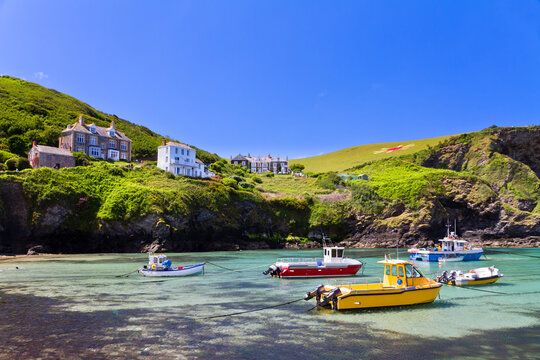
[472,271]
[180,267]
[145,267]
[154,267]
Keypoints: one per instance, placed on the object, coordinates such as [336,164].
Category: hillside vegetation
[346,158]
[30,112]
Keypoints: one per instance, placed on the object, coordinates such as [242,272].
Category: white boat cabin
[333,254]
[156,261]
[450,244]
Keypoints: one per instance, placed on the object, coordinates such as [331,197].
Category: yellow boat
[403,284]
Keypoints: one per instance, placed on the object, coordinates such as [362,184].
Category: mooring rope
[250,311]
[129,273]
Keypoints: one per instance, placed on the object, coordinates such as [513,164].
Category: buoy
[154,267]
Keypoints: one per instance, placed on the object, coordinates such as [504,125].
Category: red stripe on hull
[320,272]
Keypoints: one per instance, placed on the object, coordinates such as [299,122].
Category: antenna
[455,227]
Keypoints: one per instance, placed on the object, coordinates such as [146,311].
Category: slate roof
[239,158]
[100,131]
[53,150]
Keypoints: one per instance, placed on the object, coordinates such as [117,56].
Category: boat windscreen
[414,269]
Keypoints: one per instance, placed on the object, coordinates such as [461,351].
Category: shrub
[329,180]
[291,203]
[81,159]
[3,167]
[246,185]
[269,174]
[11,164]
[297,167]
[116,171]
[23,163]
[237,178]
[256,179]
[169,175]
[231,183]
[17,145]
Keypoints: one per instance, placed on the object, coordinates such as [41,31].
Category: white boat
[450,246]
[159,265]
[480,276]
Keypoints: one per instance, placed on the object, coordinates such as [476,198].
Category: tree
[297,167]
[17,145]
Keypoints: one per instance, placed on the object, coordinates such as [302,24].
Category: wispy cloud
[41,75]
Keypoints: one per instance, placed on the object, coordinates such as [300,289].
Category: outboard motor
[330,298]
[443,278]
[273,270]
[317,291]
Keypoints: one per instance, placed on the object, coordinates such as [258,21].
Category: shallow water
[75,306]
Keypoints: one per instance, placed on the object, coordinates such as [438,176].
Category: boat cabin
[156,262]
[401,273]
[333,254]
[448,244]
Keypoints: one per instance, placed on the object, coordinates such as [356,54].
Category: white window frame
[80,138]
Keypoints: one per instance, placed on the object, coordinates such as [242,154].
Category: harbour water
[75,306]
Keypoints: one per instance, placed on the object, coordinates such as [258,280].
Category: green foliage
[256,179]
[4,156]
[365,198]
[17,145]
[11,164]
[269,174]
[329,180]
[81,159]
[23,163]
[246,185]
[290,203]
[297,167]
[231,183]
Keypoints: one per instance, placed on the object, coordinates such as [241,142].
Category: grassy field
[357,155]
[286,184]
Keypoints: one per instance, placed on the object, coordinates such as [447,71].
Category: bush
[231,183]
[269,174]
[256,179]
[3,167]
[23,163]
[116,171]
[246,185]
[17,145]
[329,180]
[11,164]
[81,159]
[237,178]
[291,203]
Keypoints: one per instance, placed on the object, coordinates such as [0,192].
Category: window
[123,146]
[94,152]
[340,253]
[93,129]
[102,146]
[334,253]
[387,269]
[112,144]
[166,159]
[182,151]
[176,150]
[57,158]
[394,270]
[93,140]
[123,156]
[80,138]
[48,157]
[187,152]
[111,132]
[79,149]
[400,271]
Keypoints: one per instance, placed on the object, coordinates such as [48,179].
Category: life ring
[154,267]
[472,271]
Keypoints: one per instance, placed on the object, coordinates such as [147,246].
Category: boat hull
[470,282]
[319,271]
[424,255]
[184,271]
[388,298]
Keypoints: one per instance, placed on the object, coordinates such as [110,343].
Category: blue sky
[296,78]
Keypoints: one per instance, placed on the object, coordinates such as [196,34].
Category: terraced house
[97,141]
[262,164]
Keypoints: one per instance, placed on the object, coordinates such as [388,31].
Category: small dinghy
[159,265]
[480,276]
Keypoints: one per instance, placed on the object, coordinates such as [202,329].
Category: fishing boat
[451,248]
[403,284]
[159,265]
[480,276]
[332,264]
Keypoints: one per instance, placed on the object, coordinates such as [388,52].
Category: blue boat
[450,247]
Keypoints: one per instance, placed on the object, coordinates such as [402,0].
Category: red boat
[333,264]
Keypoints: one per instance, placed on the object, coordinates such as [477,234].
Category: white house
[202,171]
[181,159]
[177,158]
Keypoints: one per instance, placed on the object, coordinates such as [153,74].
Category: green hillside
[30,112]
[346,158]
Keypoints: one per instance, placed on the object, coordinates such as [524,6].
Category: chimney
[113,125]
[163,142]
[70,148]
[287,157]
[269,155]
[81,119]
[249,155]
[231,157]
[34,143]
